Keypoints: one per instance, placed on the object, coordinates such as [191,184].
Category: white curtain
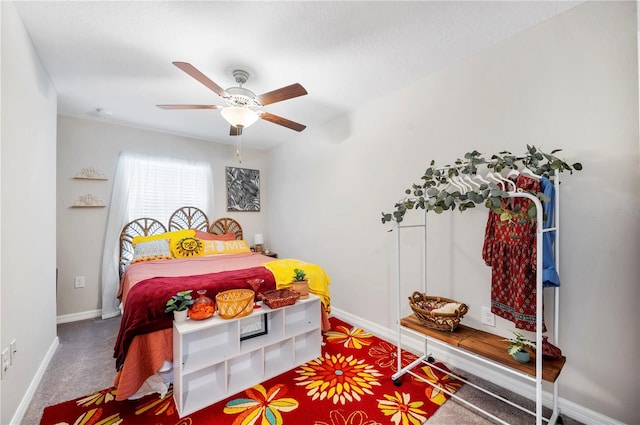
[148,186]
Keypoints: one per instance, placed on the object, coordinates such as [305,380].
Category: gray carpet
[84,363]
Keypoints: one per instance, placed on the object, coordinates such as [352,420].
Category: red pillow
[211,237]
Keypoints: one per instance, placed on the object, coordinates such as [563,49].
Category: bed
[156,261]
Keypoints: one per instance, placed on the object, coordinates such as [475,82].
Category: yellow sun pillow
[225,247]
[174,238]
[188,247]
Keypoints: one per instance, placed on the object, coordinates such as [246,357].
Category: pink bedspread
[140,355]
[138,272]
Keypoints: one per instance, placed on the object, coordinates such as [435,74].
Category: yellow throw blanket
[318,279]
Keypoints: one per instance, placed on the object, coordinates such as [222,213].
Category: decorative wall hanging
[88,200]
[243,189]
[90,173]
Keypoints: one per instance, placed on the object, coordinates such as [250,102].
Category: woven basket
[235,303]
[280,297]
[423,306]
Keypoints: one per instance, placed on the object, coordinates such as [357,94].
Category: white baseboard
[416,345]
[35,382]
[74,317]
[110,315]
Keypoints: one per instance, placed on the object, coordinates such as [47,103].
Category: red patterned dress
[510,250]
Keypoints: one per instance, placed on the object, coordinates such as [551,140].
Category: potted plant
[518,347]
[300,283]
[179,305]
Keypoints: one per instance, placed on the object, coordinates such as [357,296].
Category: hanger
[474,185]
[454,181]
[495,179]
[512,176]
[458,183]
[510,186]
[527,172]
[467,186]
[480,178]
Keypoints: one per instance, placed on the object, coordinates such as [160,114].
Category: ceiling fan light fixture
[239,117]
[241,102]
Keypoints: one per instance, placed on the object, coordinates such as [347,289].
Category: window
[148,186]
[159,186]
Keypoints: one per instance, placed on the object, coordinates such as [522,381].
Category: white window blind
[159,186]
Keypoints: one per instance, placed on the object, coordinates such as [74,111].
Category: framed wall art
[253,326]
[243,189]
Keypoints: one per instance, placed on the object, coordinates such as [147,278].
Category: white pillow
[152,250]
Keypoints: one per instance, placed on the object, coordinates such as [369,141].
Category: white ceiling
[118,55]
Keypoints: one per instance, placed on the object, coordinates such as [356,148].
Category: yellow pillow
[187,247]
[174,236]
[225,247]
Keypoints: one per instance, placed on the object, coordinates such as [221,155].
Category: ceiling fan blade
[234,131]
[284,93]
[189,106]
[193,72]
[282,121]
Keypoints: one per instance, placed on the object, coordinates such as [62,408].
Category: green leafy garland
[433,195]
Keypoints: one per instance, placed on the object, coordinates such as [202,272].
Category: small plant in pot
[518,347]
[300,283]
[179,305]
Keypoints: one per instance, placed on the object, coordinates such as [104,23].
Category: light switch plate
[13,351]
[5,362]
[78,282]
[488,318]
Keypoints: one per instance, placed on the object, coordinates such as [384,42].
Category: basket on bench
[235,303]
[280,297]
[426,309]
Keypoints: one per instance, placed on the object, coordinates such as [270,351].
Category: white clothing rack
[405,326]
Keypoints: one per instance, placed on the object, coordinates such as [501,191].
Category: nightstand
[271,254]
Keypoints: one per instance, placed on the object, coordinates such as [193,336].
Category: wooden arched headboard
[226,225]
[182,218]
[189,218]
[138,227]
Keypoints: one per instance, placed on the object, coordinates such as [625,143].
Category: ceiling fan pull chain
[238,147]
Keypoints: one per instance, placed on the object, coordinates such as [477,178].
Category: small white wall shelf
[212,361]
[90,173]
[88,201]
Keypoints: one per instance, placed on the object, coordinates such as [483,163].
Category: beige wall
[28,224]
[569,83]
[88,143]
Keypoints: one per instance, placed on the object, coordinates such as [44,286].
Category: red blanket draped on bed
[146,300]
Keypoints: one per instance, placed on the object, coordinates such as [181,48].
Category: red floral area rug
[349,384]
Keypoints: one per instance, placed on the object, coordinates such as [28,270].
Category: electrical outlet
[5,362]
[13,351]
[488,318]
[78,282]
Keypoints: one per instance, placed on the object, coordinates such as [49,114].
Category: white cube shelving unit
[212,361]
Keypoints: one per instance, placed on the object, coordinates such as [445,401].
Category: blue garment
[549,273]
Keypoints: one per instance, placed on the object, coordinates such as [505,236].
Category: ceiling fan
[241,103]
